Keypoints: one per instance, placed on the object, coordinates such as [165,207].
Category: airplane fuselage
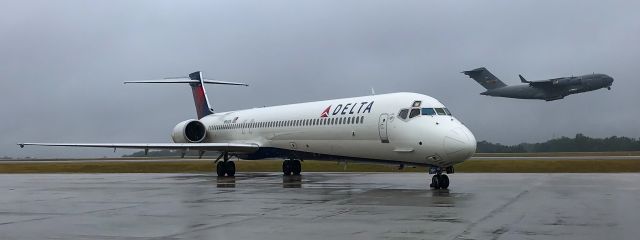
[368,128]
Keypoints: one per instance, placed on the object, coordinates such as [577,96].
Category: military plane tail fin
[485,78]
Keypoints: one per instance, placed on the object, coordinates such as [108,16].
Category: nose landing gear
[440,180]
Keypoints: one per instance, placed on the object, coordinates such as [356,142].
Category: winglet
[522,79]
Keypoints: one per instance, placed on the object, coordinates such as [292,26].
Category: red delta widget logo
[349,108]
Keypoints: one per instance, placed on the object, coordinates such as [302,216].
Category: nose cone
[459,144]
[609,80]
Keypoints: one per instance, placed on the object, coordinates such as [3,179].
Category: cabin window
[440,111]
[403,113]
[362,119]
[414,112]
[428,111]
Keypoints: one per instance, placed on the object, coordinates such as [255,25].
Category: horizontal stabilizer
[187,80]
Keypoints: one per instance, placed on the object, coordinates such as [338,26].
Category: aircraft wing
[227,147]
[540,84]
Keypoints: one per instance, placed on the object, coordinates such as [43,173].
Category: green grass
[558,154]
[181,166]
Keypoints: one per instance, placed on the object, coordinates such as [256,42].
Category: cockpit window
[403,113]
[447,111]
[414,112]
[440,111]
[428,111]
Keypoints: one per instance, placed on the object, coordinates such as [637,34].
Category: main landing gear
[225,167]
[439,180]
[291,167]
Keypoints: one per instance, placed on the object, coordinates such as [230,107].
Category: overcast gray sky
[62,63]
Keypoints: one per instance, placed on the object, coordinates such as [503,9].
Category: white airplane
[396,128]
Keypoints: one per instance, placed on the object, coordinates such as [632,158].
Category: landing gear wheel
[443,180]
[287,167]
[221,169]
[440,181]
[230,168]
[435,182]
[296,167]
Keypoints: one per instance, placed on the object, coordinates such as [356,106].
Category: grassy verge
[558,154]
[475,166]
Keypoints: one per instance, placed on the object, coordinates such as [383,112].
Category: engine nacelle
[189,131]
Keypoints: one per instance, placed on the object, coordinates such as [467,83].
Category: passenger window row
[293,123]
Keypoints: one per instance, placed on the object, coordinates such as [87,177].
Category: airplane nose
[459,144]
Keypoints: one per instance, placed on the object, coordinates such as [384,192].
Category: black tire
[435,182]
[444,181]
[221,169]
[296,167]
[230,168]
[286,168]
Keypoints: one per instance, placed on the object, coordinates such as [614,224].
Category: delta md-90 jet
[549,90]
[396,128]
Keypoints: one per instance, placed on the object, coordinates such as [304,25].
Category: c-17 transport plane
[549,90]
[396,128]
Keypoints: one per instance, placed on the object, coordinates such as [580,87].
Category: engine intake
[189,131]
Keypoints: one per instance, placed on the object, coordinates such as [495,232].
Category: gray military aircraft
[549,90]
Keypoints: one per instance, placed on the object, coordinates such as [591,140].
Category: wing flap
[227,147]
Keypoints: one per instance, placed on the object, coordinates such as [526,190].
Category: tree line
[580,143]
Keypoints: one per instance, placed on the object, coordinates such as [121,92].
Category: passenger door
[382,128]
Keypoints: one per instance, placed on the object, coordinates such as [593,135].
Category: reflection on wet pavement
[319,206]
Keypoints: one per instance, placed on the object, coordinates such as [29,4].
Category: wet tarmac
[319,206]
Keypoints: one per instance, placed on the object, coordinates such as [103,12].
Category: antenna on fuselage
[373,91]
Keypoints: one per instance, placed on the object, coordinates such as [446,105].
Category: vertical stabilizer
[485,78]
[203,108]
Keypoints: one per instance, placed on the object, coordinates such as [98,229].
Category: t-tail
[196,81]
[485,78]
